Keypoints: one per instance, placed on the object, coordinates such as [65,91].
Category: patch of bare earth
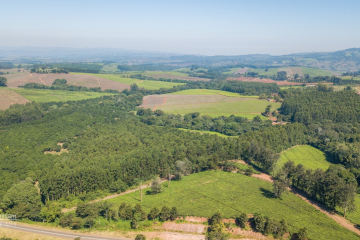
[77,80]
[9,97]
[171,76]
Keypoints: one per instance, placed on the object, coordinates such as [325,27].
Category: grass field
[210,92]
[203,194]
[351,78]
[150,85]
[44,95]
[308,156]
[313,72]
[205,132]
[261,71]
[176,73]
[244,107]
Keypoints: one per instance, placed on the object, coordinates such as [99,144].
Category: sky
[206,27]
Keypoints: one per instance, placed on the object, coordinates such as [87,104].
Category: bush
[76,223]
[173,214]
[242,220]
[140,237]
[156,185]
[249,171]
[165,213]
[118,186]
[154,213]
[134,224]
[66,220]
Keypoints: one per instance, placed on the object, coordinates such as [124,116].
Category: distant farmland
[210,102]
[9,97]
[42,95]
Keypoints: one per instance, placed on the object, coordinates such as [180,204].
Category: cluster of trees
[335,187]
[68,67]
[324,79]
[18,113]
[316,105]
[142,77]
[352,74]
[231,126]
[6,65]
[61,84]
[3,82]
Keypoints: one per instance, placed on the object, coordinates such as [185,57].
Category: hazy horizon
[186,27]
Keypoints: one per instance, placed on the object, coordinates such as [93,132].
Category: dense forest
[68,67]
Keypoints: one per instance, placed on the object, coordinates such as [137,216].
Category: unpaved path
[340,220]
[41,79]
[64,210]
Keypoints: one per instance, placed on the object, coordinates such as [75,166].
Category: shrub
[154,213]
[173,214]
[242,220]
[134,224]
[156,185]
[140,237]
[164,214]
[118,186]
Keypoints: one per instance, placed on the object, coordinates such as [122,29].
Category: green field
[351,78]
[202,194]
[245,107]
[353,217]
[313,72]
[205,132]
[45,95]
[176,73]
[308,156]
[210,92]
[261,71]
[150,85]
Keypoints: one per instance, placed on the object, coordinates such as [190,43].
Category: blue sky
[191,27]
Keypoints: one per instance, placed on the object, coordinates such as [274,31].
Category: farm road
[340,220]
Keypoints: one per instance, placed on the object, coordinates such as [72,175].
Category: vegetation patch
[306,155]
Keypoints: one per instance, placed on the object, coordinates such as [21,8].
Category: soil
[8,98]
[242,70]
[20,79]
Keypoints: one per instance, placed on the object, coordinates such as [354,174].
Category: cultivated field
[213,103]
[264,80]
[210,92]
[308,156]
[291,71]
[203,194]
[20,79]
[314,72]
[174,75]
[151,85]
[44,95]
[261,71]
[9,97]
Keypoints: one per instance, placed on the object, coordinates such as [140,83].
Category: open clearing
[198,195]
[212,104]
[180,77]
[306,155]
[88,81]
[206,132]
[44,95]
[9,97]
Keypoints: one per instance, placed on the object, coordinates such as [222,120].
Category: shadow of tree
[267,193]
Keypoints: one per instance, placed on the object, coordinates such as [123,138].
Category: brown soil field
[170,76]
[264,80]
[8,97]
[20,79]
[242,70]
[154,101]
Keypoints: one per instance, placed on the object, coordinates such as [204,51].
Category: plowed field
[9,97]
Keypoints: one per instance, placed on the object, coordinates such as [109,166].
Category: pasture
[174,75]
[213,103]
[210,92]
[9,97]
[44,95]
[310,157]
[203,194]
[314,72]
[261,71]
[291,71]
